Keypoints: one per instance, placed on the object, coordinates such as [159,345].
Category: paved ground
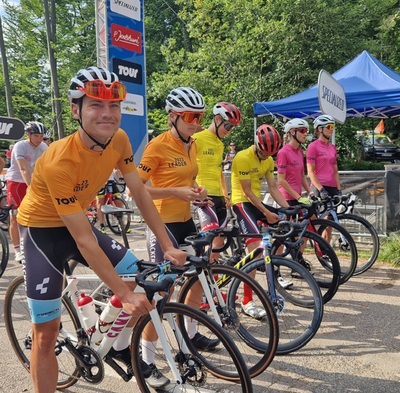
[357,349]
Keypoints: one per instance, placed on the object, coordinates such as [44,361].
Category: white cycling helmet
[323,120]
[35,127]
[89,74]
[295,123]
[184,99]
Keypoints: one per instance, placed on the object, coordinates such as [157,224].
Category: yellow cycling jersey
[166,164]
[68,176]
[210,150]
[247,166]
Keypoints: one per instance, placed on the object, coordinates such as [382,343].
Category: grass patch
[390,249]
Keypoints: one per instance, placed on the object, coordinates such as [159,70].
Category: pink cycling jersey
[324,157]
[290,162]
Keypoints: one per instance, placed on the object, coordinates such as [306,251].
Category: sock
[247,294]
[124,339]
[148,351]
[191,327]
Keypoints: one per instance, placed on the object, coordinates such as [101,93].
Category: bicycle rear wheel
[257,340]
[19,330]
[342,243]
[319,258]
[112,221]
[299,307]
[366,238]
[4,252]
[223,370]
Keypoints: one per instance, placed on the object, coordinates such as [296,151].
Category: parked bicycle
[4,246]
[299,307]
[81,356]
[340,209]
[113,199]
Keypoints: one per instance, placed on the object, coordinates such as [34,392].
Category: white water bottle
[106,319]
[89,315]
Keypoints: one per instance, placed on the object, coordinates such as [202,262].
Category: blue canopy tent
[372,90]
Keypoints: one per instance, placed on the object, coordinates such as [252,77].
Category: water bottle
[89,315]
[106,319]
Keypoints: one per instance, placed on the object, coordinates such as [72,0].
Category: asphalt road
[357,349]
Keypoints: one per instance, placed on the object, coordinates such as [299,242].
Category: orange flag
[380,128]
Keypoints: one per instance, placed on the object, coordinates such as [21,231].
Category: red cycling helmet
[267,139]
[228,112]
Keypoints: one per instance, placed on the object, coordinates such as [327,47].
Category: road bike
[112,198]
[299,308]
[256,340]
[306,247]
[4,246]
[340,210]
[188,368]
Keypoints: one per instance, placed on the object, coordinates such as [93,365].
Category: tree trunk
[55,93]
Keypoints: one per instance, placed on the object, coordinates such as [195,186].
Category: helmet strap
[96,142]
[295,138]
[326,137]
[217,127]
[177,131]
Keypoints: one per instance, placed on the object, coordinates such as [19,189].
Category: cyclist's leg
[213,217]
[43,273]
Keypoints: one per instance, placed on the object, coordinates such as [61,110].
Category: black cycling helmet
[35,127]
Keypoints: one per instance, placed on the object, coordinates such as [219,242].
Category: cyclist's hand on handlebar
[136,304]
[304,201]
[272,218]
[176,256]
[323,193]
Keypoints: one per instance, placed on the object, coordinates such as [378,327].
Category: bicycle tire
[112,221]
[366,239]
[300,314]
[5,252]
[19,330]
[256,340]
[345,250]
[220,371]
[320,257]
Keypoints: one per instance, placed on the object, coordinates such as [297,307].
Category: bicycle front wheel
[299,306]
[257,340]
[223,370]
[19,329]
[366,238]
[4,252]
[112,221]
[342,243]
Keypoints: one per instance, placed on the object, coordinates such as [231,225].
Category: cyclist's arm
[150,214]
[81,231]
[337,179]
[184,193]
[25,173]
[313,176]
[275,193]
[284,183]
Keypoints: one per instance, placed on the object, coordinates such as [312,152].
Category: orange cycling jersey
[209,157]
[166,164]
[247,166]
[69,186]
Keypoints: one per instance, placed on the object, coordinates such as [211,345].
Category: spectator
[8,155]
[230,156]
[23,158]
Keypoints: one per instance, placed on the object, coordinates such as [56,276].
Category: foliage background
[241,52]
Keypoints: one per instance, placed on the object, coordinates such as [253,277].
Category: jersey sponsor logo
[128,160]
[179,161]
[144,168]
[66,201]
[82,186]
[42,288]
[209,152]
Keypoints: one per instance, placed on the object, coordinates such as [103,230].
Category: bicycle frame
[120,323]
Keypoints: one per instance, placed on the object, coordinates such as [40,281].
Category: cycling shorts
[15,193]
[46,252]
[247,216]
[177,232]
[213,217]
